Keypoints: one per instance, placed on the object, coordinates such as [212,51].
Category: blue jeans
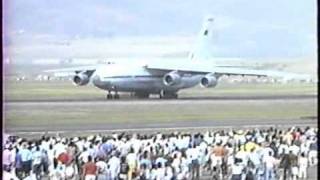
[269,174]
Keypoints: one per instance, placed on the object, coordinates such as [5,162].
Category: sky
[246,28]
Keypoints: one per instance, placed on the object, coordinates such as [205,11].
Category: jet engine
[81,79]
[172,78]
[209,81]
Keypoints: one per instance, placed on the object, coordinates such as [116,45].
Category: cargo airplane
[163,78]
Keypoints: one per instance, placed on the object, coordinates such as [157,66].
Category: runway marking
[165,129]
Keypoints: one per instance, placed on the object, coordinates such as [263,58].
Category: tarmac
[179,125]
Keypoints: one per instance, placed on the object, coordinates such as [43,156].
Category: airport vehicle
[163,78]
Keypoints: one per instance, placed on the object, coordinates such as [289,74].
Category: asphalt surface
[128,99]
[165,126]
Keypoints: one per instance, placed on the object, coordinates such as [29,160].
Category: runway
[136,118]
[201,98]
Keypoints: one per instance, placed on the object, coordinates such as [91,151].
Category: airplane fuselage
[134,78]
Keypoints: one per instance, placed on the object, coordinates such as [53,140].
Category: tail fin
[203,43]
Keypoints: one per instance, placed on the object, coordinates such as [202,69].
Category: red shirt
[64,158]
[89,168]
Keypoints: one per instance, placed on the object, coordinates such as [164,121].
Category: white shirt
[131,158]
[114,164]
[36,157]
[168,173]
[92,152]
[8,176]
[176,164]
[193,154]
[135,144]
[160,173]
[269,161]
[303,162]
[45,145]
[84,156]
[236,169]
[266,150]
[58,149]
[283,149]
[102,166]
[304,148]
[80,145]
[184,164]
[153,174]
[254,157]
[244,156]
[208,139]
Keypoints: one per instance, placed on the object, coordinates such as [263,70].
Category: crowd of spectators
[270,153]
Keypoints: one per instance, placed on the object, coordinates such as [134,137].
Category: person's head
[194,145]
[89,158]
[37,148]
[50,146]
[143,166]
[252,149]
[145,155]
[123,159]
[131,150]
[175,156]
[237,160]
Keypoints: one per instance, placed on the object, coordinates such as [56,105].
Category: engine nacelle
[209,81]
[172,78]
[81,79]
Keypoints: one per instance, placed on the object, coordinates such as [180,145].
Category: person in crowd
[238,154]
[114,164]
[89,171]
[37,162]
[269,164]
[71,170]
[7,158]
[102,168]
[132,162]
[313,154]
[194,156]
[124,169]
[303,165]
[237,169]
[26,159]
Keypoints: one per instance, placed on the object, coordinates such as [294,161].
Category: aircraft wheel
[116,96]
[168,95]
[109,96]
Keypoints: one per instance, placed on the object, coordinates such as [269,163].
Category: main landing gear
[113,96]
[168,95]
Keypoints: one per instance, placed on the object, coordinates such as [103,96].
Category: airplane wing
[198,68]
[65,72]
[73,69]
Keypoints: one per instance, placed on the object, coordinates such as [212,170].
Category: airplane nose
[96,80]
